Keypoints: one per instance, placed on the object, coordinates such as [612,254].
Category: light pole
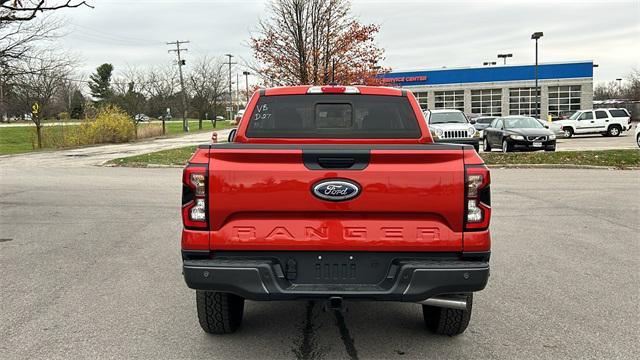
[246,85]
[504,57]
[535,36]
[230,87]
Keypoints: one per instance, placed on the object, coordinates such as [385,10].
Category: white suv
[452,126]
[608,122]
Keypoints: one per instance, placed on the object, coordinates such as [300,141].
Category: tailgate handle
[336,162]
[321,159]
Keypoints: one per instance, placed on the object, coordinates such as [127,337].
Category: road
[626,140]
[97,155]
[91,269]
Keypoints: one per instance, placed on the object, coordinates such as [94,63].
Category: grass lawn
[14,140]
[177,156]
[621,159]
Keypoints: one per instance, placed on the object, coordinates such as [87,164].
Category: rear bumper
[405,279]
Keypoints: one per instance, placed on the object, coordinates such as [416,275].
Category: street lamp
[619,82]
[488,63]
[504,57]
[230,56]
[246,85]
[535,36]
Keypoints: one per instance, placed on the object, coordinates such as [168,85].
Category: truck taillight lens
[194,197]
[477,197]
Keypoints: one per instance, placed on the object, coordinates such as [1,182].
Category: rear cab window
[333,116]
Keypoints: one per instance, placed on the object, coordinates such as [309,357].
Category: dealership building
[501,90]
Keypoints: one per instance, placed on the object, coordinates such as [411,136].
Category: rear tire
[486,147]
[445,321]
[614,130]
[218,312]
[568,132]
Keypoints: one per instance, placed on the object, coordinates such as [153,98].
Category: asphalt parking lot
[91,269]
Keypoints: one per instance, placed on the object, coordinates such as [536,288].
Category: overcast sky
[415,34]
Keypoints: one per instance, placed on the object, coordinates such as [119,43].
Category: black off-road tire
[445,321]
[218,312]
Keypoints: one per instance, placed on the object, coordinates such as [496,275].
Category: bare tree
[44,77]
[314,42]
[130,88]
[18,44]
[25,10]
[207,83]
[163,85]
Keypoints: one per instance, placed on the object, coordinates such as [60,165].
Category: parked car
[483,122]
[329,193]
[638,134]
[238,117]
[518,133]
[141,118]
[608,122]
[451,126]
[554,127]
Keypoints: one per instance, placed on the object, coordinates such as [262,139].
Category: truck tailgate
[411,197]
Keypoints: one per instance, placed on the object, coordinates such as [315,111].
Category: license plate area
[537,144]
[336,268]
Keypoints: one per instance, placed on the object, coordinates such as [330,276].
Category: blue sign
[490,74]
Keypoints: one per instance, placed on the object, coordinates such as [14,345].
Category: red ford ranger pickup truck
[335,193]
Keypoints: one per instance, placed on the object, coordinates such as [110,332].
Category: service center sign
[404,79]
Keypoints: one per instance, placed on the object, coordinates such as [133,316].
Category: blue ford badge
[336,190]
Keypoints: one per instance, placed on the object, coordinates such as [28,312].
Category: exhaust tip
[447,301]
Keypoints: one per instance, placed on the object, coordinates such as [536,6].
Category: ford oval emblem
[336,190]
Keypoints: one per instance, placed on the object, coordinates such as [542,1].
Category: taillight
[194,197]
[477,197]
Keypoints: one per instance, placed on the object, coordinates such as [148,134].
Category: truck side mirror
[232,135]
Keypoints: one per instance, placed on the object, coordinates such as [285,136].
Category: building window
[486,102]
[421,96]
[564,100]
[522,101]
[449,99]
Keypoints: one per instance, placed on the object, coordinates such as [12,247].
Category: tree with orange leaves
[315,42]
